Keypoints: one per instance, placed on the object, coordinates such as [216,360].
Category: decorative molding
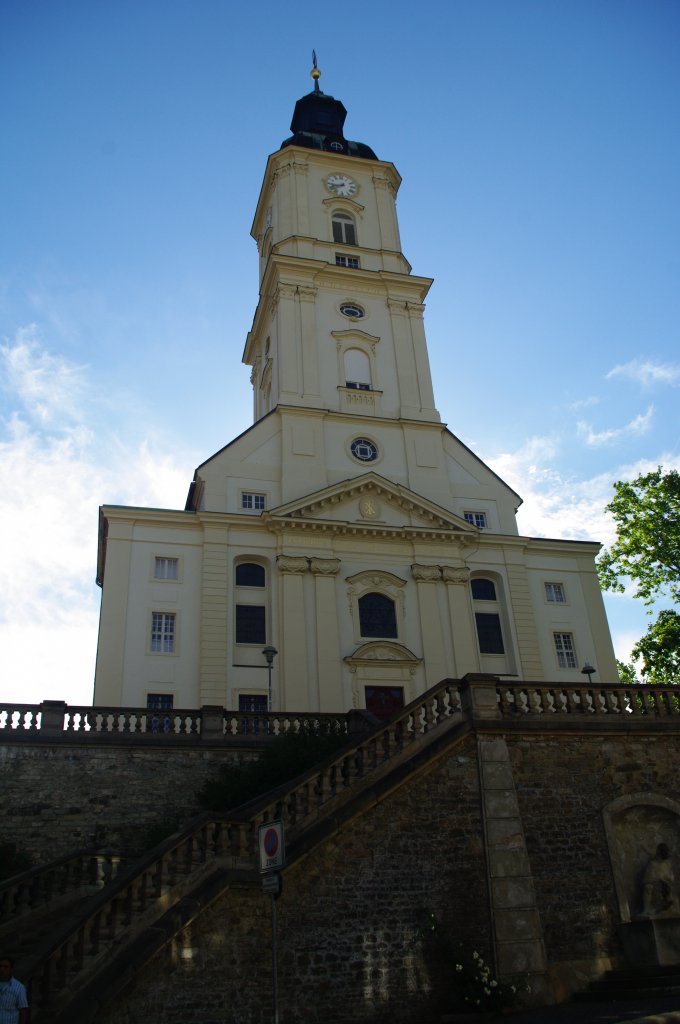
[307,293]
[426,573]
[293,564]
[397,307]
[457,574]
[415,309]
[324,566]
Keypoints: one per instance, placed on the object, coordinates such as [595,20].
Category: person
[13,1001]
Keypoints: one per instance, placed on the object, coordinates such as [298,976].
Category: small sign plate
[272,849]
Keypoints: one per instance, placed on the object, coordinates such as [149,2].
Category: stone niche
[643,834]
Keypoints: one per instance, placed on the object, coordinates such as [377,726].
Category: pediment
[383,650]
[370,503]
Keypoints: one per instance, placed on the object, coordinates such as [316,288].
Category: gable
[370,503]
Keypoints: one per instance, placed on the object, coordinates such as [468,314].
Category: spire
[315,73]
[319,120]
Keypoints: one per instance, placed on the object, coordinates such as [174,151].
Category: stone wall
[57,798]
[350,920]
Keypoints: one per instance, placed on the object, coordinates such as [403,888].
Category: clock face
[341,185]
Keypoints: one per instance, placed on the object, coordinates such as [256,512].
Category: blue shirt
[12,999]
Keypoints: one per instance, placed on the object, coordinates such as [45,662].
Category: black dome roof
[318,122]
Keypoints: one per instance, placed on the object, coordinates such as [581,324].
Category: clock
[341,185]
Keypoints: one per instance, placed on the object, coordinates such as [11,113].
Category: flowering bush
[476,987]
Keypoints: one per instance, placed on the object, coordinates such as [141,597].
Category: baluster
[508,705]
[534,702]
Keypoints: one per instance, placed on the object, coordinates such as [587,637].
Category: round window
[350,309]
[364,450]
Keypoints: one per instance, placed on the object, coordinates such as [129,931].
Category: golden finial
[315,73]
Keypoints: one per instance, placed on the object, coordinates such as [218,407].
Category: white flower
[475,955]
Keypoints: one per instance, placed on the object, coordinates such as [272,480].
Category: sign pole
[272,859]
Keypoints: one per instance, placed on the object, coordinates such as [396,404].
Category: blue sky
[539,145]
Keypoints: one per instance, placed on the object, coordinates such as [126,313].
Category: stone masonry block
[497,776]
[508,863]
[517,925]
[494,750]
[509,893]
[519,957]
[505,832]
[502,803]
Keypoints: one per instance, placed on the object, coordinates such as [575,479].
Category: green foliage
[13,860]
[283,759]
[647,546]
[627,672]
[659,649]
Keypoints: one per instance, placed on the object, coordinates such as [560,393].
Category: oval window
[352,310]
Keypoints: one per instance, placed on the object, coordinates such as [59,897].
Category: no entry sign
[272,849]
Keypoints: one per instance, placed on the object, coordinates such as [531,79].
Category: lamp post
[269,653]
[588,670]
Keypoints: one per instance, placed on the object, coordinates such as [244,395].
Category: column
[421,360]
[293,688]
[409,402]
[287,341]
[328,695]
[310,348]
[463,628]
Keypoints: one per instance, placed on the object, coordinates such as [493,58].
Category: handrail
[40,884]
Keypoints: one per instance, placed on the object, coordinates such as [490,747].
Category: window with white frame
[344,229]
[477,519]
[165,568]
[357,369]
[554,593]
[163,632]
[253,502]
[346,261]
[564,648]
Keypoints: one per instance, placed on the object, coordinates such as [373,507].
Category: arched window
[488,622]
[483,590]
[249,574]
[377,616]
[344,230]
[357,370]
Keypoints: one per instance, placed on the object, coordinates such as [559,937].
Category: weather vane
[315,73]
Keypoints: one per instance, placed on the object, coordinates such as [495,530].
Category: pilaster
[463,628]
[328,660]
[531,664]
[293,686]
[213,664]
[434,653]
[518,932]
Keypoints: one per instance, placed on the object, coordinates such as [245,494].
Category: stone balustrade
[41,885]
[588,700]
[54,719]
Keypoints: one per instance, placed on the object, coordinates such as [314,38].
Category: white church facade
[347,528]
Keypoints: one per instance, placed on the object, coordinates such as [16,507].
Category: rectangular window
[165,568]
[255,502]
[250,624]
[163,632]
[477,519]
[489,633]
[159,701]
[554,593]
[346,261]
[253,703]
[564,648]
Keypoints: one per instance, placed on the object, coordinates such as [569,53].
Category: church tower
[347,527]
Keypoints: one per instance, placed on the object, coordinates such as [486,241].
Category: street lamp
[588,670]
[269,653]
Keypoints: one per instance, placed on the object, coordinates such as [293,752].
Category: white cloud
[640,424]
[57,467]
[647,373]
[557,505]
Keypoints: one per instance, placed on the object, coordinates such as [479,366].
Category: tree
[659,649]
[647,546]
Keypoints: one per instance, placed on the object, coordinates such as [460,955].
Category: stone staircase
[103,937]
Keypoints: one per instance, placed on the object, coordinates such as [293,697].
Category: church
[347,550]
